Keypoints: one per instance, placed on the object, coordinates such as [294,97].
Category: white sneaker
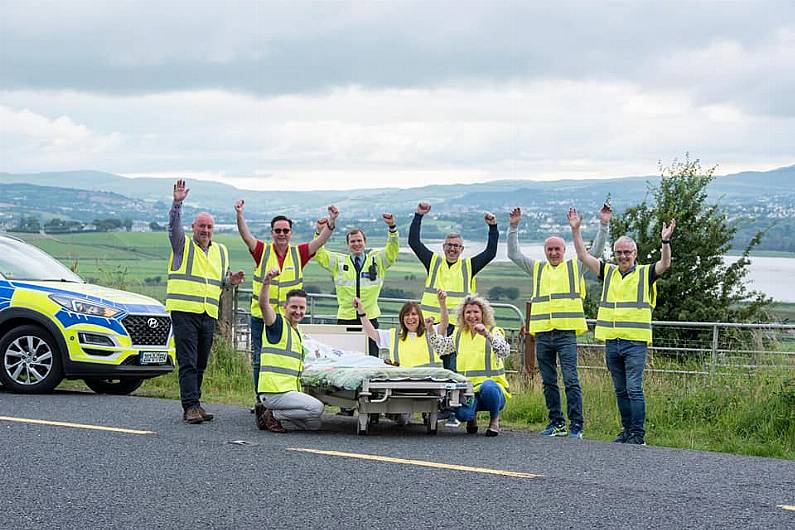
[452,422]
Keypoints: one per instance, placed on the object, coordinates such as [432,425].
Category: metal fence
[679,347]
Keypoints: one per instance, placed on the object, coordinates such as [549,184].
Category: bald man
[556,318]
[197,269]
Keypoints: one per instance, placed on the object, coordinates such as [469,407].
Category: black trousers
[193,339]
[356,322]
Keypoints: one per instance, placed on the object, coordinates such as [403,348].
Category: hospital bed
[371,387]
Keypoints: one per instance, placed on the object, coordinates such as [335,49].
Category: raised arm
[327,228]
[242,227]
[582,254]
[367,326]
[422,252]
[176,235]
[268,314]
[490,252]
[392,247]
[514,252]
[665,251]
[444,315]
[598,246]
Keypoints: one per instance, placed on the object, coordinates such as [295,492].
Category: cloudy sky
[372,94]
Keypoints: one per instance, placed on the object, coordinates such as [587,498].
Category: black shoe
[622,437]
[635,439]
[492,432]
[472,427]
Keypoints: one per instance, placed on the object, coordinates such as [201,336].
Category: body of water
[773,276]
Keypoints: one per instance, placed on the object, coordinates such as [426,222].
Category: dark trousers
[357,322]
[193,339]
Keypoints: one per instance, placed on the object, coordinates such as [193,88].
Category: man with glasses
[556,318]
[448,271]
[280,254]
[629,294]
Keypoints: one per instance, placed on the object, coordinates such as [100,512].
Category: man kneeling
[281,406]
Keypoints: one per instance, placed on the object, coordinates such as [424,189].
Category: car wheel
[30,361]
[109,385]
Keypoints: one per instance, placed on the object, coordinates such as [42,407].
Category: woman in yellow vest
[481,348]
[409,345]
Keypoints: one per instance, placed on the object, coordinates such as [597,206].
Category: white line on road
[789,507]
[423,463]
[74,425]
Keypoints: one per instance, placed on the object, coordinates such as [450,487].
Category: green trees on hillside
[700,286]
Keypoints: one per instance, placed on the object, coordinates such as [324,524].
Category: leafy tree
[700,286]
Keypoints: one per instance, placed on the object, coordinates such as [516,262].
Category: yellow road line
[423,463]
[74,425]
[789,507]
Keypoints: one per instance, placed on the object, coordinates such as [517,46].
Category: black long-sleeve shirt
[424,254]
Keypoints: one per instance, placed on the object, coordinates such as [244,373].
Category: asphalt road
[228,474]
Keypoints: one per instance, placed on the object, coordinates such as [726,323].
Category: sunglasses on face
[281,230]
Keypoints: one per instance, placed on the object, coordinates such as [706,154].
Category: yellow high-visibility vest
[412,352]
[456,279]
[558,293]
[281,364]
[477,361]
[195,286]
[343,272]
[291,277]
[626,305]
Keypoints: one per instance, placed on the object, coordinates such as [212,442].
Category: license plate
[153,357]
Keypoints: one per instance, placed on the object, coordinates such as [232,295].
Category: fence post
[714,361]
[226,313]
[311,309]
[529,363]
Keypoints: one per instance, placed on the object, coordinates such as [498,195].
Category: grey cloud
[282,48]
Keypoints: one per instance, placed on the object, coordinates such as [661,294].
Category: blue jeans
[257,325]
[488,397]
[626,360]
[551,346]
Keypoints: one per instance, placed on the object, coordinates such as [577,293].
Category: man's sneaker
[192,415]
[622,437]
[452,422]
[554,430]
[206,416]
[272,423]
[259,415]
[575,432]
[635,439]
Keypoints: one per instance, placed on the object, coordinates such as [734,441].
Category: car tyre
[109,385]
[30,360]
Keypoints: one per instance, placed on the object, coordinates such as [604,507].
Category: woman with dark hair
[481,348]
[410,345]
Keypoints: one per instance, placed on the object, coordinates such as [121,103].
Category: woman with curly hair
[481,347]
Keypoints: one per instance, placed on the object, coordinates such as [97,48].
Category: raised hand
[320,224]
[515,216]
[429,325]
[423,208]
[271,274]
[357,303]
[480,329]
[180,191]
[441,295]
[574,219]
[605,214]
[668,230]
[239,205]
[389,219]
[236,278]
[489,218]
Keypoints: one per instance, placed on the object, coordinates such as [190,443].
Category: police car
[53,325]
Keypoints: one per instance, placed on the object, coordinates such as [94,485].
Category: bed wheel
[429,419]
[362,425]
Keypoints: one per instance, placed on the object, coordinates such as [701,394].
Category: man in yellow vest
[556,318]
[281,406]
[360,274]
[449,271]
[289,259]
[197,269]
[629,294]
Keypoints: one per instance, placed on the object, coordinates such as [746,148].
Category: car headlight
[81,305]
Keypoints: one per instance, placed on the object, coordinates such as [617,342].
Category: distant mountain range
[87,195]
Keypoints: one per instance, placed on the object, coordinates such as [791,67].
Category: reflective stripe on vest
[477,361]
[281,364]
[415,351]
[626,305]
[457,280]
[280,285]
[195,286]
[557,302]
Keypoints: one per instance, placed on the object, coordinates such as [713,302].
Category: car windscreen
[20,261]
